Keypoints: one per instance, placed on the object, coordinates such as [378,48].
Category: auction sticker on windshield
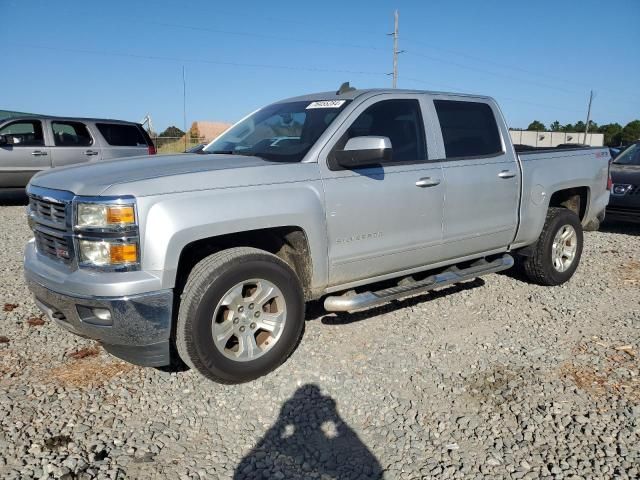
[326,104]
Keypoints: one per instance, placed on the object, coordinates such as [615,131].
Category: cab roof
[356,93]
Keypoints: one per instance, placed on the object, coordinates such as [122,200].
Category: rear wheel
[241,315]
[557,253]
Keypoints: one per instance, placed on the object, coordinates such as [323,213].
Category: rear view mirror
[364,152]
[5,140]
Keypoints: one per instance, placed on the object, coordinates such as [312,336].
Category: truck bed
[549,170]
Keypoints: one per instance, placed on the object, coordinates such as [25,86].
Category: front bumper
[139,329]
[624,207]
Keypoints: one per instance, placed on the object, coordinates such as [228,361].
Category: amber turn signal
[120,214]
[125,253]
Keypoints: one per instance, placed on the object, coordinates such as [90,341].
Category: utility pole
[586,128]
[184,108]
[396,52]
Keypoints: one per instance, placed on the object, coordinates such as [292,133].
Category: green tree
[579,127]
[536,126]
[172,131]
[555,126]
[567,128]
[612,134]
[631,132]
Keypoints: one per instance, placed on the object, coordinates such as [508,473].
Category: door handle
[506,174]
[38,153]
[90,152]
[427,182]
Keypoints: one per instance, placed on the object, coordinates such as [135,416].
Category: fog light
[102,314]
[95,316]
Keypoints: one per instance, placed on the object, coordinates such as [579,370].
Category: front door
[24,154]
[72,143]
[387,218]
[482,179]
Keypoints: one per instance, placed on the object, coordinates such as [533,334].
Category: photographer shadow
[309,438]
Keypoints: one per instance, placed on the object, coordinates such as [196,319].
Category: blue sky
[124,59]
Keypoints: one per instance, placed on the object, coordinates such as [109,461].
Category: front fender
[171,222]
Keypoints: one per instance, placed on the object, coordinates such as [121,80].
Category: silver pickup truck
[357,197]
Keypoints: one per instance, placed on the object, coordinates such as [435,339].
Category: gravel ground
[496,378]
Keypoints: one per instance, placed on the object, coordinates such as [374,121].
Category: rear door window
[71,134]
[469,129]
[120,135]
[24,133]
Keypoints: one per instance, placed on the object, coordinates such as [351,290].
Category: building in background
[553,139]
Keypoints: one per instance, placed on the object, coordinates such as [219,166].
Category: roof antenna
[344,88]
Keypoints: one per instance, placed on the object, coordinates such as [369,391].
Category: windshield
[630,156]
[282,132]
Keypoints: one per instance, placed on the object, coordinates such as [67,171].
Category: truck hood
[625,174]
[149,175]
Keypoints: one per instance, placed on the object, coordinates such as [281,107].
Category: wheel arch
[575,199]
[289,243]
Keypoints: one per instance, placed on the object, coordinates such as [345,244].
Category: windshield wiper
[244,153]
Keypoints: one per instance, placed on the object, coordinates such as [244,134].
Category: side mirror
[364,152]
[4,140]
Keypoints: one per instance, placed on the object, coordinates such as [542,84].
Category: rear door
[387,218]
[72,143]
[25,154]
[122,140]
[481,176]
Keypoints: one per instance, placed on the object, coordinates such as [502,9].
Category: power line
[488,72]
[195,60]
[268,36]
[266,66]
[509,67]
[454,89]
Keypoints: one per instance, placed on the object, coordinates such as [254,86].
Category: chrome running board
[360,301]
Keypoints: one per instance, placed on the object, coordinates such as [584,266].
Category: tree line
[614,133]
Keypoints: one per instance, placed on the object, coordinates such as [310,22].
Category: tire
[223,285]
[539,267]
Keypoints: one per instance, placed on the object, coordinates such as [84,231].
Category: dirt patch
[84,353]
[630,274]
[10,307]
[88,371]
[4,339]
[605,370]
[35,321]
[499,384]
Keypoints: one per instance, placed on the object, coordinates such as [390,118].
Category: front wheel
[241,315]
[557,253]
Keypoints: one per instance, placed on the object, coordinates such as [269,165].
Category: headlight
[106,234]
[101,253]
[98,215]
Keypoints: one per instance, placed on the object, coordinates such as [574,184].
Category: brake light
[152,150]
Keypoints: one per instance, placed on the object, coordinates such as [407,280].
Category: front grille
[48,216]
[53,246]
[50,212]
